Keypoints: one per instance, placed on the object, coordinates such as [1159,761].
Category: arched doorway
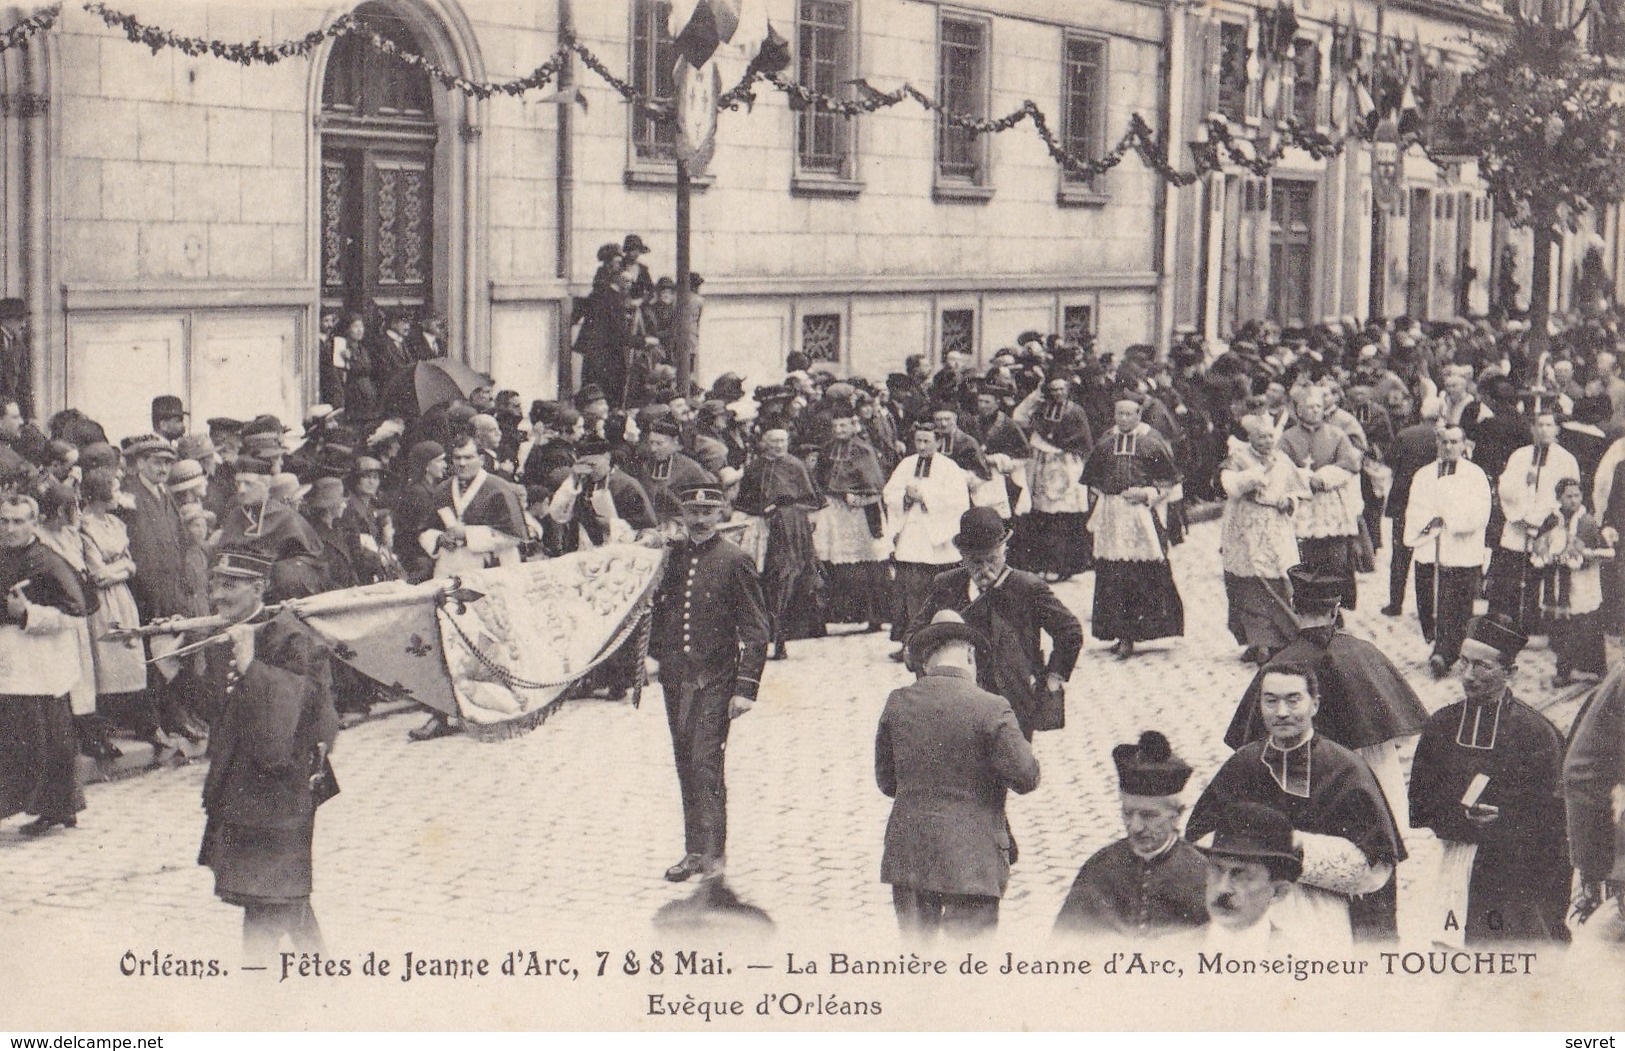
[379,134]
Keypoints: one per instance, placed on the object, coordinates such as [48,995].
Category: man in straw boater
[272,725]
[947,752]
[1013,611]
[1444,525]
[1351,844]
[1251,866]
[1487,779]
[1132,468]
[710,636]
[1151,882]
[1365,703]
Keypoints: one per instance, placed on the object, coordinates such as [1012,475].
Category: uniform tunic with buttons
[710,624]
[710,635]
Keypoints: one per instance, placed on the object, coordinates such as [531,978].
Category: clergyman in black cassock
[1152,882]
[1486,780]
[1365,703]
[1334,803]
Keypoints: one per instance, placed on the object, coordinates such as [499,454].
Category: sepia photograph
[812,516]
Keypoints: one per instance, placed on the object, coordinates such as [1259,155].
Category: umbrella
[426,384]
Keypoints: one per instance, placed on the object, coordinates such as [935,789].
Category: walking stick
[1523,576]
[1438,573]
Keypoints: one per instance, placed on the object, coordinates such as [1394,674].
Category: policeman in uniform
[710,636]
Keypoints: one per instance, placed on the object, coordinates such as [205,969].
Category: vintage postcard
[811,515]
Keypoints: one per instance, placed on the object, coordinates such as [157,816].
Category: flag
[709,25]
[1286,28]
[1410,114]
[504,649]
[773,56]
[1364,104]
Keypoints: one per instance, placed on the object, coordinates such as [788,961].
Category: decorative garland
[28,28]
[539,77]
[254,51]
[1140,138]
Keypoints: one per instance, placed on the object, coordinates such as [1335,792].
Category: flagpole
[1377,293]
[680,344]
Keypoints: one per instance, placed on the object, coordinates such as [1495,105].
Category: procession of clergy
[946,504]
[1296,838]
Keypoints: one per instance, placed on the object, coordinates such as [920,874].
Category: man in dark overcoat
[1012,610]
[161,586]
[273,723]
[947,752]
[709,634]
[155,529]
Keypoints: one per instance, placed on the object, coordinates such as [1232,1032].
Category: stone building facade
[1321,239]
[187,220]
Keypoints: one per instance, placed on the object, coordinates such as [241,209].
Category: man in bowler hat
[1013,610]
[1251,865]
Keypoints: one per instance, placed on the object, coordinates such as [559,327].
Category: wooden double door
[377,226]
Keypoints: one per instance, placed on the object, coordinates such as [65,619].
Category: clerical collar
[1540,454]
[1054,411]
[1480,723]
[922,467]
[1161,853]
[1446,468]
[660,470]
[1128,441]
[1289,768]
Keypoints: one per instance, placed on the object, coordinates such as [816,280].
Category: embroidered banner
[501,649]
[541,626]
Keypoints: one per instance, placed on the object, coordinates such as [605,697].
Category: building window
[962,89]
[824,39]
[1306,82]
[958,333]
[1083,102]
[1232,73]
[652,61]
[1292,214]
[1078,324]
[821,337]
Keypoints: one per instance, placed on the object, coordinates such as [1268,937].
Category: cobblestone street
[571,826]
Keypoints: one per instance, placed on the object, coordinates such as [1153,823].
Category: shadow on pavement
[713,907]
